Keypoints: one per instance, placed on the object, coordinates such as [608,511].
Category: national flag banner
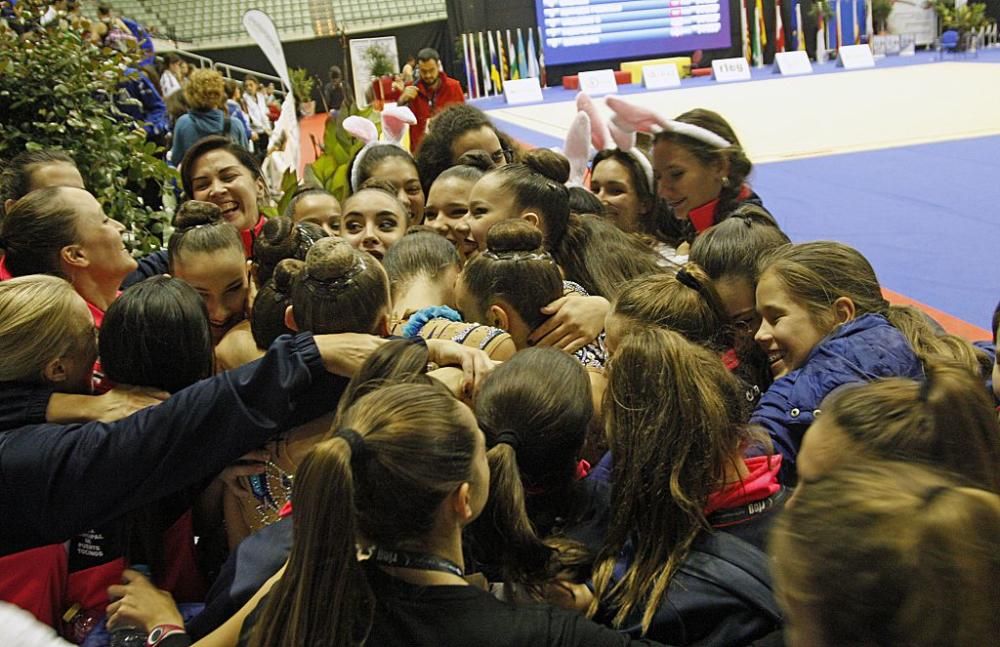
[779,28]
[755,37]
[473,61]
[468,71]
[820,37]
[745,27]
[800,33]
[484,68]
[494,66]
[514,73]
[522,58]
[543,78]
[855,22]
[532,56]
[840,33]
[869,21]
[763,27]
[504,66]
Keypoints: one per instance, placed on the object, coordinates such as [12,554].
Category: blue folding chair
[948,43]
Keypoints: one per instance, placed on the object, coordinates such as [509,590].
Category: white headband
[394,122]
[630,119]
[588,121]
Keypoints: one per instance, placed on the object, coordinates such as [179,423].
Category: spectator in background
[337,92]
[234,107]
[170,79]
[206,96]
[256,107]
[431,94]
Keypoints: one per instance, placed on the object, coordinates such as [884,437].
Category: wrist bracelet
[159,632]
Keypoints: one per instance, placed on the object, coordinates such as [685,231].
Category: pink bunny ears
[588,120]
[394,122]
[630,119]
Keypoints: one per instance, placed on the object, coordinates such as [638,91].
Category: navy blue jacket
[59,480]
[861,350]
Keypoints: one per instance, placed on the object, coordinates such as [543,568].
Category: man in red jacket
[430,94]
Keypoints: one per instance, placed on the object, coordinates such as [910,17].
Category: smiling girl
[374,218]
[825,323]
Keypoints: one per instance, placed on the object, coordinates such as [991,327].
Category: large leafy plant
[57,91]
[330,170]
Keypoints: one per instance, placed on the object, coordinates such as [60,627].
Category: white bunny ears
[394,122]
[588,124]
[630,118]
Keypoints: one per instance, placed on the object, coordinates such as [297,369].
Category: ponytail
[325,525]
[931,343]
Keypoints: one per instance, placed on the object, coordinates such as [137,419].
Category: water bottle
[126,635]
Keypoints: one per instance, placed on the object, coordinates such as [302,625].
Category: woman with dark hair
[453,132]
[315,205]
[206,252]
[422,269]
[394,165]
[625,186]
[374,218]
[218,171]
[448,201]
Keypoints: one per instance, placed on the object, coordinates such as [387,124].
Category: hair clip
[630,118]
[686,279]
[316,284]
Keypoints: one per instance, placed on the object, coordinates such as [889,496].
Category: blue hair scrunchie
[419,319]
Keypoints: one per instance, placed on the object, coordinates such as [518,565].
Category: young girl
[674,416]
[456,130]
[825,323]
[374,218]
[317,206]
[888,553]
[392,164]
[626,189]
[207,253]
[448,201]
[508,285]
[404,474]
[422,270]
[535,410]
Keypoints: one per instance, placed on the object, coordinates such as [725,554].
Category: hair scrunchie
[508,437]
[686,279]
[354,440]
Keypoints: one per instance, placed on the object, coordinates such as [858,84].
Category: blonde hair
[37,324]
[886,553]
[819,273]
[205,90]
[948,422]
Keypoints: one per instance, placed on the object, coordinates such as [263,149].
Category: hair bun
[195,213]
[285,274]
[277,231]
[476,158]
[514,236]
[332,259]
[549,163]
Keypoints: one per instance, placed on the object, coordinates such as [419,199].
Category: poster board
[361,65]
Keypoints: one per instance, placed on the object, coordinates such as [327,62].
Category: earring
[725,182]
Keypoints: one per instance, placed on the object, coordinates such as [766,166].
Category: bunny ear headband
[394,122]
[602,137]
[630,119]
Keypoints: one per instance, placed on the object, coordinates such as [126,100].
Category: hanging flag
[514,73]
[820,34]
[744,26]
[484,68]
[855,23]
[468,71]
[532,57]
[779,28]
[494,66]
[755,36]
[504,66]
[800,34]
[522,59]
[840,33]
[763,27]
[869,26]
[543,78]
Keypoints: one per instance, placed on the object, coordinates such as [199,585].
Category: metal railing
[227,71]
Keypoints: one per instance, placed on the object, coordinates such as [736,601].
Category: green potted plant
[880,15]
[966,20]
[380,65]
[302,87]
